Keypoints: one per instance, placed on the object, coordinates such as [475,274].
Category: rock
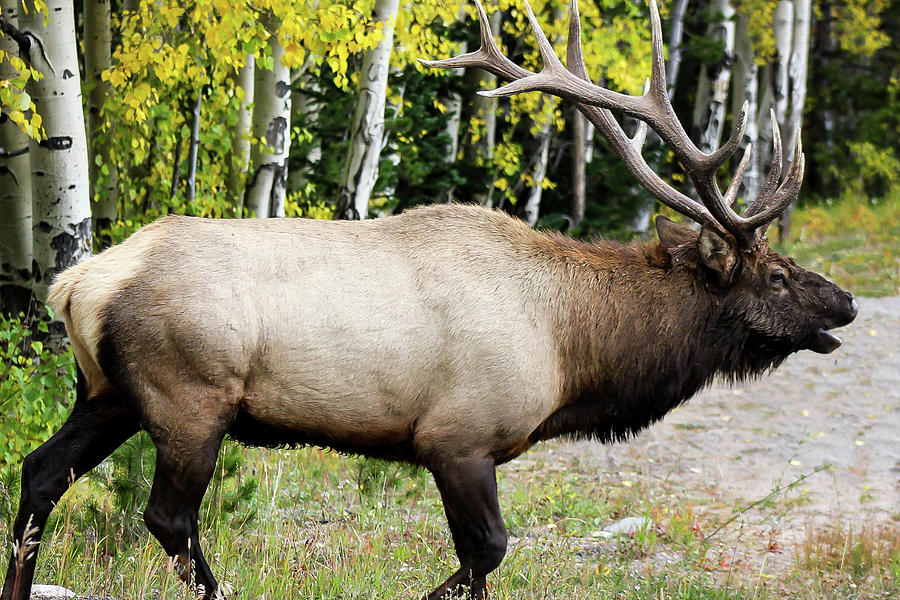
[50,592]
[628,526]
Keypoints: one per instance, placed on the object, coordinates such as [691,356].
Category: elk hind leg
[97,426]
[185,463]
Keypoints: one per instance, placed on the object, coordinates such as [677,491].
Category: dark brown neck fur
[637,337]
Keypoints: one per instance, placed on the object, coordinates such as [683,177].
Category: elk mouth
[822,342]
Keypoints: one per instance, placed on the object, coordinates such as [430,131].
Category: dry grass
[864,558]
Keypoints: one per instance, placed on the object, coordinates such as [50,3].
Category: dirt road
[731,446]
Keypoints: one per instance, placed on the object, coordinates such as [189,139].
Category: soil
[834,418]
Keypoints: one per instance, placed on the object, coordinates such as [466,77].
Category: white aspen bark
[745,86]
[61,200]
[97,39]
[712,90]
[367,132]
[15,195]
[454,111]
[589,143]
[533,203]
[579,164]
[243,132]
[485,109]
[388,150]
[454,106]
[764,121]
[797,70]
[783,24]
[271,135]
[676,31]
[194,147]
[308,106]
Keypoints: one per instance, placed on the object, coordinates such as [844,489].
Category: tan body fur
[432,328]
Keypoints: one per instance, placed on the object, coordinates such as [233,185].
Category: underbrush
[853,241]
[846,557]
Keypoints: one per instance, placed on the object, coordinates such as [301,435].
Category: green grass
[319,533]
[854,242]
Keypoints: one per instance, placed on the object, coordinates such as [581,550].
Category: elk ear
[671,234]
[716,254]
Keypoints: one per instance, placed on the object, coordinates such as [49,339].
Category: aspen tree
[797,72]
[61,199]
[240,160]
[712,90]
[97,58]
[15,191]
[367,131]
[272,131]
[745,86]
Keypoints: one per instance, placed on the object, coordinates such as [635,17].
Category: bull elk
[451,337]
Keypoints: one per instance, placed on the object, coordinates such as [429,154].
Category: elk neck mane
[637,336]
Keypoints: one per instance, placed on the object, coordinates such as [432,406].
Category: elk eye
[778,279]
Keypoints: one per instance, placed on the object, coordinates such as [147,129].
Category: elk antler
[654,109]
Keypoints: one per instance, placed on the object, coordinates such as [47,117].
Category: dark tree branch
[194,147]
[22,39]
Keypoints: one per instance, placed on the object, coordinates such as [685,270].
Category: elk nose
[854,308]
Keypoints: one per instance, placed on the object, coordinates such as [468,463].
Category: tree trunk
[797,70]
[485,111]
[579,164]
[366,135]
[194,147]
[454,106]
[61,198]
[97,38]
[533,203]
[271,135]
[764,121]
[712,91]
[176,162]
[15,195]
[783,23]
[676,25]
[745,89]
[307,104]
[240,160]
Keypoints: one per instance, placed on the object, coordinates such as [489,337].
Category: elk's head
[781,307]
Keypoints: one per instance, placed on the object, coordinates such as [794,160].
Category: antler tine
[658,61]
[787,192]
[735,185]
[628,149]
[487,57]
[548,54]
[556,80]
[769,188]
[574,52]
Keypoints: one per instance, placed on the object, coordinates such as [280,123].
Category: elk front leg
[469,492]
[96,427]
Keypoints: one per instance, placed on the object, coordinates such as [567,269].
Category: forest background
[115,113]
